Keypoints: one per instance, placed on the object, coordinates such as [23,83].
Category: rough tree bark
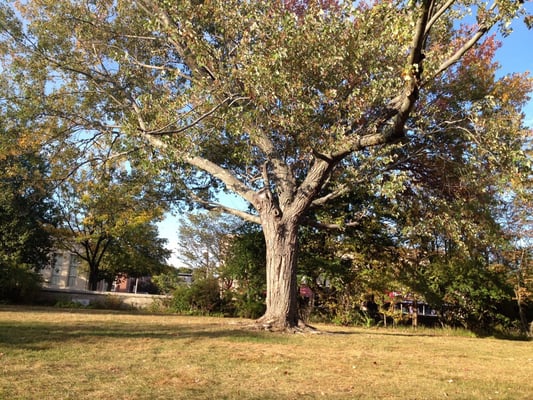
[282,286]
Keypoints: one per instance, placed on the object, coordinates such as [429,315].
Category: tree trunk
[414,316]
[282,288]
[524,325]
[93,278]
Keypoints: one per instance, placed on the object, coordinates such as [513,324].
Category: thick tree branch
[318,173]
[223,175]
[460,53]
[437,14]
[282,174]
[484,27]
[214,206]
[390,126]
[320,201]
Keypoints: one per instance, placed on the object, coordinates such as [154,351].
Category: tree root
[276,326]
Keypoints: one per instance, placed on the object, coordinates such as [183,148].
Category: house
[125,284]
[64,272]
[67,271]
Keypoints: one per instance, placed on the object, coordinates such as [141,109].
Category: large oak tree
[288,104]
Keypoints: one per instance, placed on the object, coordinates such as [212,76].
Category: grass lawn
[89,354]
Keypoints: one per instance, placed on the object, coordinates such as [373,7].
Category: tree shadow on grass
[26,333]
[424,333]
[381,332]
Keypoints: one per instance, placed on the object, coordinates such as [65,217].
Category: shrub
[244,305]
[181,300]
[160,306]
[111,302]
[18,283]
[202,297]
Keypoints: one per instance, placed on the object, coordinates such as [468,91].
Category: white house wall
[65,271]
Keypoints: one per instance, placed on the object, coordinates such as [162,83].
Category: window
[73,270]
[56,269]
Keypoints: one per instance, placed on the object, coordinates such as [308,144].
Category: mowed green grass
[89,354]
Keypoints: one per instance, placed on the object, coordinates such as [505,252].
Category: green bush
[202,297]
[168,281]
[111,302]
[70,304]
[244,305]
[181,300]
[205,295]
[160,306]
[18,283]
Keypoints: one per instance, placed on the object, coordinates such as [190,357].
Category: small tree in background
[137,252]
[107,218]
[204,239]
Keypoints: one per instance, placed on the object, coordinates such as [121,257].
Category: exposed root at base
[276,326]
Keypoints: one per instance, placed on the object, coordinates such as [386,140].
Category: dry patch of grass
[78,354]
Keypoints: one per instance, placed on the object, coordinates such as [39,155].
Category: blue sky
[515,55]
